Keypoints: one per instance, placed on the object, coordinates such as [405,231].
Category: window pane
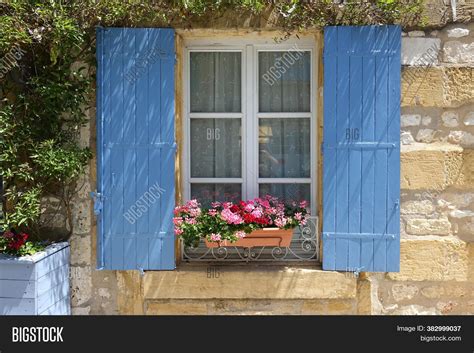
[284,148]
[216,150]
[284,81]
[287,192]
[216,82]
[207,193]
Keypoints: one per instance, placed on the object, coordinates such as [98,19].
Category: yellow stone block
[176,307]
[432,259]
[244,282]
[422,86]
[430,166]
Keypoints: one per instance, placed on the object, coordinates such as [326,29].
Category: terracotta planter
[271,237]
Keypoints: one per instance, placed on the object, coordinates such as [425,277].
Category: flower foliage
[232,221]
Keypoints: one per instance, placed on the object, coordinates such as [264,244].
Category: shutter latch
[98,201]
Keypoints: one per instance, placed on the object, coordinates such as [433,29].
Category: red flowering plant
[17,244]
[232,221]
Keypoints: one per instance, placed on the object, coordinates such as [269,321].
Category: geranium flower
[240,234]
[216,237]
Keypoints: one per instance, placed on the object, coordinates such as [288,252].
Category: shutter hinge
[396,206]
[98,201]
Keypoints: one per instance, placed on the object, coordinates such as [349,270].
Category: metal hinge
[98,201]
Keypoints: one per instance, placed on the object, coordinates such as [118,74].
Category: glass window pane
[216,81]
[287,192]
[207,193]
[284,81]
[284,148]
[216,150]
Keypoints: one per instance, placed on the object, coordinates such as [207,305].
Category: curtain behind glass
[216,82]
[284,81]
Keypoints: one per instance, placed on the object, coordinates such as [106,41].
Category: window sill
[252,281]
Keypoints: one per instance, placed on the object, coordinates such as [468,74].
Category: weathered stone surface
[466,178]
[458,199]
[457,32]
[425,135]
[176,307]
[410,120]
[459,85]
[421,165]
[414,310]
[423,226]
[432,259]
[437,86]
[461,213]
[130,293]
[455,52]
[406,138]
[81,285]
[80,250]
[82,220]
[463,138]
[426,120]
[469,119]
[422,86]
[248,282]
[450,119]
[420,51]
[416,34]
[424,207]
[404,291]
[79,310]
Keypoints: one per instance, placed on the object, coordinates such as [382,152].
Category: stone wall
[437,217]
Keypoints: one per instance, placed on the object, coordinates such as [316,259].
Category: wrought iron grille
[304,247]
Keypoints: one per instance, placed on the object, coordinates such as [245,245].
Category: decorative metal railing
[304,247]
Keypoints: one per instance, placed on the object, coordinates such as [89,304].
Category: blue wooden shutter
[136,149]
[361,149]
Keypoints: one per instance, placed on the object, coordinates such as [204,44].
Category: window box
[273,237]
[36,284]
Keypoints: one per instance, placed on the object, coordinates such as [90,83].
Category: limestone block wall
[437,211]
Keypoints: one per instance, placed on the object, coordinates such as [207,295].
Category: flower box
[36,284]
[271,237]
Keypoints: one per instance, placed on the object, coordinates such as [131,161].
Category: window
[250,121]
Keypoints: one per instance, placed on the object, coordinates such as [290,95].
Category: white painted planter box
[37,284]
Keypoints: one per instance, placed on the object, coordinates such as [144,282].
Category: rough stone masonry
[437,213]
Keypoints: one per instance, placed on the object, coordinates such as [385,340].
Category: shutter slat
[136,154]
[361,183]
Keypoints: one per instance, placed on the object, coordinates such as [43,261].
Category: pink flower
[212,212]
[215,204]
[303,222]
[191,221]
[240,234]
[298,216]
[249,207]
[178,231]
[281,222]
[194,212]
[178,221]
[257,213]
[216,237]
[304,204]
[230,217]
[227,204]
[192,203]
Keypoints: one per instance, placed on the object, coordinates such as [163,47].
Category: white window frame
[249,46]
